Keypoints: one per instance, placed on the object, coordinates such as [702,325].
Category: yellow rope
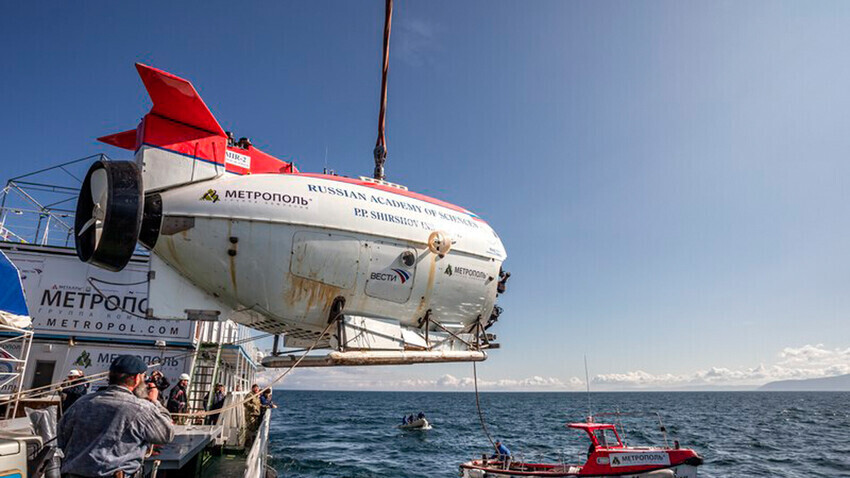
[50,389]
[251,396]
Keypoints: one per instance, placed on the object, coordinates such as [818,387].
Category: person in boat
[253,415]
[404,420]
[266,399]
[178,401]
[502,452]
[73,389]
[216,404]
[161,383]
[410,419]
[108,433]
[421,415]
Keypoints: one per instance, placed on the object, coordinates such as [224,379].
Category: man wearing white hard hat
[178,401]
[72,388]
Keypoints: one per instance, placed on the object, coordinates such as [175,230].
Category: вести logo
[402,274]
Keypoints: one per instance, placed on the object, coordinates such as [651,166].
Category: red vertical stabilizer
[180,122]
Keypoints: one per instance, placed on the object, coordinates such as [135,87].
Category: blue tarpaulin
[11,291]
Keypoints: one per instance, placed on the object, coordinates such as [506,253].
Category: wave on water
[740,434]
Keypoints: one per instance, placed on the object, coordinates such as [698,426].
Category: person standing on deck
[178,401]
[253,414]
[162,384]
[217,403]
[73,389]
[266,399]
[108,433]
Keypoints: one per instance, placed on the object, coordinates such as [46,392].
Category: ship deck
[189,442]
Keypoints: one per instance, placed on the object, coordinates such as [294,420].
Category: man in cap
[178,401]
[72,389]
[253,414]
[502,452]
[216,404]
[108,433]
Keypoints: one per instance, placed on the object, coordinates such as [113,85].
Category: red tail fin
[124,139]
[176,99]
[181,122]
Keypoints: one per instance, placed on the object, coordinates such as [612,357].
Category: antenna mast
[587,383]
[380,151]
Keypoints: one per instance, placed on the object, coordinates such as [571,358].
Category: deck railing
[255,466]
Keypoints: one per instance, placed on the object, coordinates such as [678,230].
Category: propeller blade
[86,226]
[99,188]
[98,230]
[99,184]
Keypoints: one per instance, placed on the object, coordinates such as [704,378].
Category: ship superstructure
[83,317]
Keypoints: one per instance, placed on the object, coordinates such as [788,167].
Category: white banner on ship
[93,359]
[639,459]
[63,302]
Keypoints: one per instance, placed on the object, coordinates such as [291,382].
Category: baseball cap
[129,364]
[75,373]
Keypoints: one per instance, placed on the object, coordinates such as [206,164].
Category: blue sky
[669,178]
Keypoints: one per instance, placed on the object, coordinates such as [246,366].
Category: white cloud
[381,378]
[815,355]
[807,361]
[531,383]
[416,41]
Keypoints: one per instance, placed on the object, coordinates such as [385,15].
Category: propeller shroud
[109,214]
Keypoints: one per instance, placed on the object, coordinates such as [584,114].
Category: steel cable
[478,405]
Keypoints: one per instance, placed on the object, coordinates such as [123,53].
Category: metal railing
[255,464]
[14,352]
[39,207]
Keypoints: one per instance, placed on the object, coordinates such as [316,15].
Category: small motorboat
[418,424]
[607,456]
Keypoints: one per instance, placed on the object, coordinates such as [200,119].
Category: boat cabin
[602,435]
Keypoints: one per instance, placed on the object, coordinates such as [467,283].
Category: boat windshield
[606,437]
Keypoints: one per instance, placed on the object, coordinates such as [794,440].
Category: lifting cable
[380,151]
[478,405]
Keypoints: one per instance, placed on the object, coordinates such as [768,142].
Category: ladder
[204,375]
[14,354]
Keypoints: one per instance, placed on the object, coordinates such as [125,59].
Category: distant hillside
[839,383]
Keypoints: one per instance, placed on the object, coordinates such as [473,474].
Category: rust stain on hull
[429,286]
[172,251]
[306,296]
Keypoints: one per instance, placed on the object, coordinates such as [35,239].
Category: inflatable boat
[419,424]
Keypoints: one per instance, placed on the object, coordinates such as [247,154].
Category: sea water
[739,434]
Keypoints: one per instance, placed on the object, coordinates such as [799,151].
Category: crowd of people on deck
[108,433]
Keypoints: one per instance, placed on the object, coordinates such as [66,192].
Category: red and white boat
[607,456]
